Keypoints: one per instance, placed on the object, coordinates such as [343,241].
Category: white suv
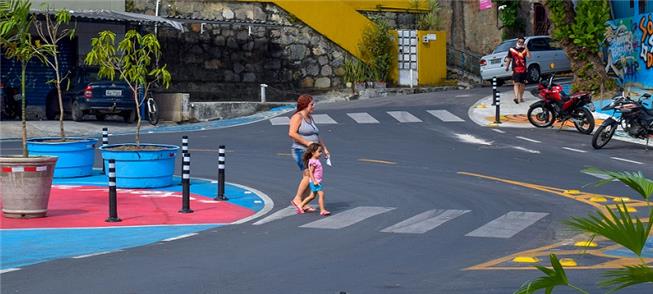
[544,51]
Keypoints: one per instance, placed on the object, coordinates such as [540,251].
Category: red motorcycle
[556,105]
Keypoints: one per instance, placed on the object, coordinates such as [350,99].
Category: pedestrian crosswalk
[366,118]
[503,227]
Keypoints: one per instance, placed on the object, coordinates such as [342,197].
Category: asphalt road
[390,170]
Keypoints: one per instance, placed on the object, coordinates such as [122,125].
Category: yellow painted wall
[432,58]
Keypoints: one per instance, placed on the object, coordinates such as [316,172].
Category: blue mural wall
[630,50]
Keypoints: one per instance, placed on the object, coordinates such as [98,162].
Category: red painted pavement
[87,206]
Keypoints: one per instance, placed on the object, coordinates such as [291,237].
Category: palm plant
[16,41]
[51,33]
[135,59]
[618,227]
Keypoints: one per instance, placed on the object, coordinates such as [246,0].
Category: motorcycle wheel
[583,120]
[540,116]
[603,135]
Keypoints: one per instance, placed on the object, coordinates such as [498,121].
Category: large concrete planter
[152,167]
[25,185]
[76,155]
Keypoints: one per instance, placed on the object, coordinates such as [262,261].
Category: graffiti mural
[629,50]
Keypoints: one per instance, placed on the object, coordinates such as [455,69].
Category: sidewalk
[75,224]
[514,115]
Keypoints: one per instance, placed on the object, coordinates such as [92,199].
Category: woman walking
[303,132]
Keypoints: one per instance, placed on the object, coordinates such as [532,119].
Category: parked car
[544,51]
[10,102]
[88,94]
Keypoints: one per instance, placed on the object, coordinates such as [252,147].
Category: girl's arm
[293,129]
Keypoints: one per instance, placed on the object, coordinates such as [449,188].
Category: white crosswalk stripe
[280,121]
[363,118]
[323,119]
[425,221]
[282,213]
[404,116]
[507,225]
[445,116]
[347,218]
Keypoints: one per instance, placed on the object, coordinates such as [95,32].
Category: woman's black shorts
[520,77]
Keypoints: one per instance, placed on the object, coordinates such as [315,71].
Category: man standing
[517,56]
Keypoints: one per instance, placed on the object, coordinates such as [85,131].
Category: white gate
[407,57]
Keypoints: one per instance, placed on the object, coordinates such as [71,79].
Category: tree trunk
[58,85]
[23,107]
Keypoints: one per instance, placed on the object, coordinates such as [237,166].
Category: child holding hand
[313,165]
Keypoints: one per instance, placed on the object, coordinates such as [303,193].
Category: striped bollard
[497,114]
[185,184]
[113,199]
[105,142]
[221,196]
[494,90]
[184,144]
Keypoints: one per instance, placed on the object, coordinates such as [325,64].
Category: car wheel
[534,73]
[129,116]
[77,113]
[100,116]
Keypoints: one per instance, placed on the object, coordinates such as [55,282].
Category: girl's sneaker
[325,213]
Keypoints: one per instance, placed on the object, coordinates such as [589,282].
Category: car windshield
[505,46]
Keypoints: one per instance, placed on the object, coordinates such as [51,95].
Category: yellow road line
[377,161]
[584,197]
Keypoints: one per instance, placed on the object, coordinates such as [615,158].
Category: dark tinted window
[538,44]
[505,46]
[554,45]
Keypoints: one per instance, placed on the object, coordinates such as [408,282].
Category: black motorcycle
[636,120]
[9,103]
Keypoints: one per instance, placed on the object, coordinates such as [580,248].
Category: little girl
[313,165]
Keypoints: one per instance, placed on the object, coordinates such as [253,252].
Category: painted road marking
[626,160]
[9,270]
[528,139]
[507,225]
[425,221]
[467,138]
[575,150]
[347,218]
[499,131]
[377,161]
[363,118]
[179,237]
[93,254]
[404,116]
[526,150]
[323,119]
[279,121]
[280,214]
[445,116]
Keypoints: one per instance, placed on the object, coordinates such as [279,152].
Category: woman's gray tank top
[309,131]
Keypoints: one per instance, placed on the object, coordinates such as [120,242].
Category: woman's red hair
[303,101]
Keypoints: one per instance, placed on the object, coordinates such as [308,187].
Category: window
[554,45]
[538,44]
[505,46]
[642,6]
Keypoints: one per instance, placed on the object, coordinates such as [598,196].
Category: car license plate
[591,107]
[495,61]
[113,93]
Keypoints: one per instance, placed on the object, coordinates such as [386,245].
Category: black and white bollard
[185,184]
[184,145]
[221,196]
[497,102]
[494,90]
[113,195]
[105,142]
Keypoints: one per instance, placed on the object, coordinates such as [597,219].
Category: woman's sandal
[309,209]
[325,213]
[297,208]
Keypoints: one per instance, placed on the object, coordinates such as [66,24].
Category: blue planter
[76,156]
[141,168]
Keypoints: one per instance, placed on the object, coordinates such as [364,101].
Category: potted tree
[76,155]
[378,51]
[134,60]
[25,181]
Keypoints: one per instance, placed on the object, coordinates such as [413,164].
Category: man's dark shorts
[519,77]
